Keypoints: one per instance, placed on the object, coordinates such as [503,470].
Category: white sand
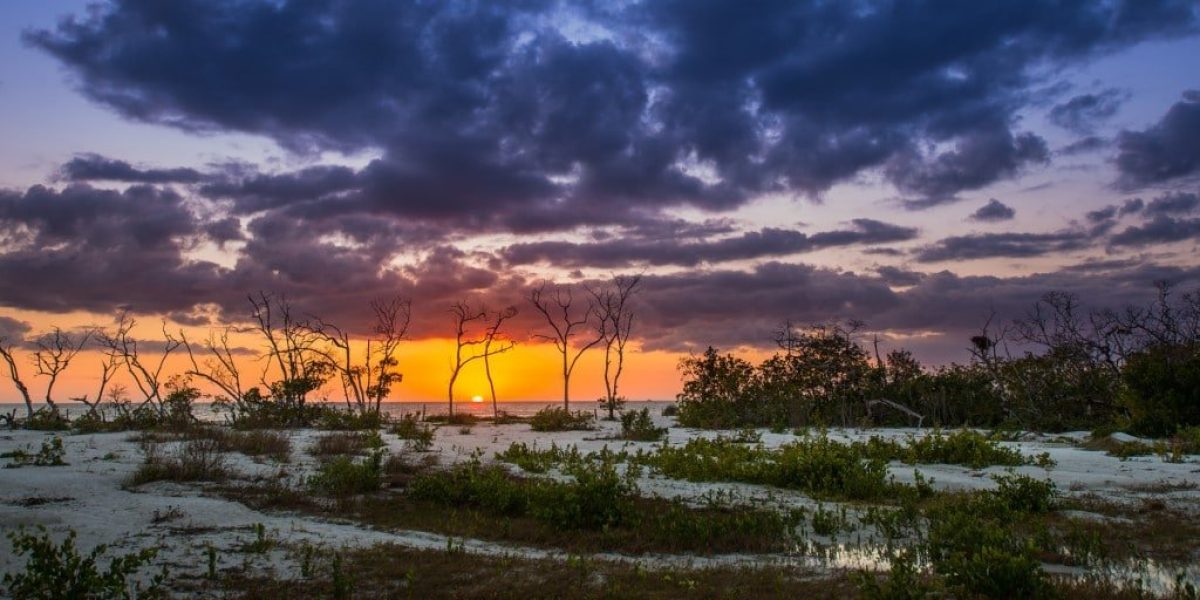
[182,520]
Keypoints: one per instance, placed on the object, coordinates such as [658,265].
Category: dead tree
[218,366]
[6,352]
[146,375]
[492,335]
[53,354]
[615,315]
[555,305]
[463,316]
[109,364]
[291,347]
[369,383]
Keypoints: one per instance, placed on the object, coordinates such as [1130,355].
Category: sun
[477,399]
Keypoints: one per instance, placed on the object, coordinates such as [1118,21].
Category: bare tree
[6,352]
[291,347]
[615,315]
[109,364]
[555,305]
[369,383]
[463,316]
[492,335]
[147,375]
[218,366]
[53,354]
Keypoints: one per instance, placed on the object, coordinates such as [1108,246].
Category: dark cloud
[13,331]
[490,116]
[1173,203]
[1101,215]
[1008,245]
[1131,206]
[994,211]
[898,276]
[1161,229]
[1088,144]
[1081,114]
[1168,150]
[93,167]
[768,242]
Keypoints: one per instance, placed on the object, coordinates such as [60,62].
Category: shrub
[274,444]
[561,419]
[46,419]
[194,460]
[638,426]
[419,436]
[337,419]
[1162,389]
[963,447]
[817,466]
[50,455]
[344,476]
[671,410]
[59,571]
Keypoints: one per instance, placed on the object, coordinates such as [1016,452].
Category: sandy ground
[87,495]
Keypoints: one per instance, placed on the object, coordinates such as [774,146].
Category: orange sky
[532,371]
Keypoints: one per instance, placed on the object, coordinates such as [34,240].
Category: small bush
[344,476]
[637,426]
[337,419]
[55,571]
[463,419]
[50,455]
[47,419]
[274,444]
[670,410]
[419,436]
[194,460]
[561,419]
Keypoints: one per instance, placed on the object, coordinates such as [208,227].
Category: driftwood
[900,407]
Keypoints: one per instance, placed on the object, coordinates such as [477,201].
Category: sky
[917,165]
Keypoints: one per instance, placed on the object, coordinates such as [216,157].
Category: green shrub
[1162,389]
[903,580]
[537,461]
[817,465]
[638,426]
[561,419]
[51,454]
[963,447]
[419,436]
[338,419]
[46,419]
[344,476]
[55,571]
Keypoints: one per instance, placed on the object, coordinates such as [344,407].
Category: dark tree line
[1059,367]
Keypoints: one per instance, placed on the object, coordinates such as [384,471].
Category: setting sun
[476,399]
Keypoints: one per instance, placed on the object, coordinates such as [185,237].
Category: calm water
[209,412]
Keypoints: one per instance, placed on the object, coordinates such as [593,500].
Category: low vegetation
[417,435]
[59,570]
[51,454]
[561,419]
[639,427]
[199,459]
[346,442]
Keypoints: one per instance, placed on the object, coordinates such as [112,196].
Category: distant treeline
[1136,368]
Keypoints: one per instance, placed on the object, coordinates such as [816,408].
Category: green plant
[47,419]
[561,419]
[902,582]
[346,442]
[51,454]
[638,426]
[419,436]
[344,476]
[55,571]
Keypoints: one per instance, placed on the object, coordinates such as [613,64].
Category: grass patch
[258,443]
[344,476]
[198,459]
[51,454]
[346,443]
[386,571]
